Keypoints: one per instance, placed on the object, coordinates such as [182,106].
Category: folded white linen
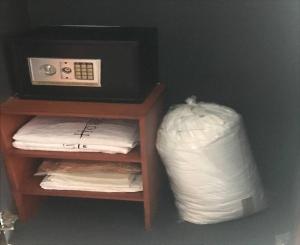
[82,131]
[90,176]
[96,178]
[51,130]
[133,184]
[111,132]
[70,147]
[52,166]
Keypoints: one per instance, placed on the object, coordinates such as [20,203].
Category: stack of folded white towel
[77,135]
[90,176]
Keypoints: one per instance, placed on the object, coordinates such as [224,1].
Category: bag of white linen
[209,163]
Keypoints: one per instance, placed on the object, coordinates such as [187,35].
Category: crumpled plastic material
[207,156]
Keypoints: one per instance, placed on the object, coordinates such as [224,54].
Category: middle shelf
[132,156]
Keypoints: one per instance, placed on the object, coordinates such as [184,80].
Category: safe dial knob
[48,69]
[67,70]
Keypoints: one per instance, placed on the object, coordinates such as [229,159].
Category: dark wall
[241,53]
[13,18]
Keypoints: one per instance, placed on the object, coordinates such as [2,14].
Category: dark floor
[63,221]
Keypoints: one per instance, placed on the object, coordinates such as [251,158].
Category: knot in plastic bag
[191,100]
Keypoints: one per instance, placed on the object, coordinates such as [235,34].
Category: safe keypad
[84,71]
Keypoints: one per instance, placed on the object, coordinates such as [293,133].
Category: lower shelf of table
[32,187]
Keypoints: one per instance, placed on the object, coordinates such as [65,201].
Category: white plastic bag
[210,166]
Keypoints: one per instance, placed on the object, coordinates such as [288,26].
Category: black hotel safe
[110,64]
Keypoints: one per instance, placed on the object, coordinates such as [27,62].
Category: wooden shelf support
[22,164]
